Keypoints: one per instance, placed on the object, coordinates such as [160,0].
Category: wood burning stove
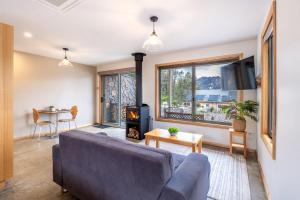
[137,121]
[137,117]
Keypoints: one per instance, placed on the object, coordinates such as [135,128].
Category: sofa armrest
[190,181]
[57,168]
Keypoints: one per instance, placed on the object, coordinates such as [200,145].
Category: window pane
[176,93]
[194,93]
[164,90]
[209,96]
[111,99]
[128,90]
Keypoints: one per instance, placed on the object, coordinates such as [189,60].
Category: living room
[148,99]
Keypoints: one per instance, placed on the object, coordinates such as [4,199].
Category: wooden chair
[73,111]
[36,117]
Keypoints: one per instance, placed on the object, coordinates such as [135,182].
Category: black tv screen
[239,75]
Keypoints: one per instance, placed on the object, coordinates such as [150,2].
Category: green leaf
[240,110]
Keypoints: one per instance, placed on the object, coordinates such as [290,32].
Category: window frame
[270,142]
[177,64]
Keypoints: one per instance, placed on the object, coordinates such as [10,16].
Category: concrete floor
[33,173]
[255,181]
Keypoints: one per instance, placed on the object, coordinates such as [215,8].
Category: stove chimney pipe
[138,57]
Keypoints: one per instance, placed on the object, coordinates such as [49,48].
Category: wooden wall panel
[6,102]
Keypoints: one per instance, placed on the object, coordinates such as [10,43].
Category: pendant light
[65,62]
[153,43]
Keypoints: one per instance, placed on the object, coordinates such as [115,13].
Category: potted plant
[237,111]
[173,131]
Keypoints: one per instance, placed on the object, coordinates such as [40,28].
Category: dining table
[56,113]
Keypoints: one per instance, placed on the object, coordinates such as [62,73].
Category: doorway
[118,91]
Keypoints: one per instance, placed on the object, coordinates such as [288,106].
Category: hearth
[137,117]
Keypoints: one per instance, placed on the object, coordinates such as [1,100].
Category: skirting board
[224,146]
[263,180]
[29,136]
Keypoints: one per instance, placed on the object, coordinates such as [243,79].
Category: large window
[192,92]
[268,82]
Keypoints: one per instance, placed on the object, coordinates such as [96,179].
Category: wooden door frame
[6,102]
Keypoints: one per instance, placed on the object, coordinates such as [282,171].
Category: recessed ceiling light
[27,34]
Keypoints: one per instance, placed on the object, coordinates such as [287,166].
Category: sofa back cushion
[101,167]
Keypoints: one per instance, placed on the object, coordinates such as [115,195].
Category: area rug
[229,176]
[101,126]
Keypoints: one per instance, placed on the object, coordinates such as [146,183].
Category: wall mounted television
[239,75]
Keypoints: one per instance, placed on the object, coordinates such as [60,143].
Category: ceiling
[99,31]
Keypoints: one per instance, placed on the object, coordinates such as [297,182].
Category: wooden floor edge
[262,176]
[224,146]
[29,136]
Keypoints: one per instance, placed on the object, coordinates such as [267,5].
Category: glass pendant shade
[65,63]
[153,43]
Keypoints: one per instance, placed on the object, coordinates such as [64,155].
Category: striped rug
[229,177]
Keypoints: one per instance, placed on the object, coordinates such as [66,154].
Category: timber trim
[270,143]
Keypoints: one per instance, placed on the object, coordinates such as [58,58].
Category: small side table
[242,134]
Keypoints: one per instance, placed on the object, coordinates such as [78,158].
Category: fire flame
[133,115]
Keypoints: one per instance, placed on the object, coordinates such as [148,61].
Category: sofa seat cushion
[177,160]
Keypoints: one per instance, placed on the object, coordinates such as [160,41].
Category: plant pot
[239,125]
[173,133]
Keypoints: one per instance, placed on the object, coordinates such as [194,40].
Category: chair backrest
[36,115]
[74,111]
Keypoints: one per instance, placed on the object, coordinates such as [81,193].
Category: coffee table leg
[157,143]
[200,146]
[147,140]
[193,148]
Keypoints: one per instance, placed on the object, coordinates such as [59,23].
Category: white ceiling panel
[98,31]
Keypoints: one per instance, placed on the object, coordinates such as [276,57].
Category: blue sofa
[92,166]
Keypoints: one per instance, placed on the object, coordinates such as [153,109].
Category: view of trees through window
[194,93]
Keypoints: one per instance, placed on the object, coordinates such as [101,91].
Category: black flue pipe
[138,57]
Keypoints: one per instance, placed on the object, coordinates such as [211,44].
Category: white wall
[216,135]
[39,82]
[282,175]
